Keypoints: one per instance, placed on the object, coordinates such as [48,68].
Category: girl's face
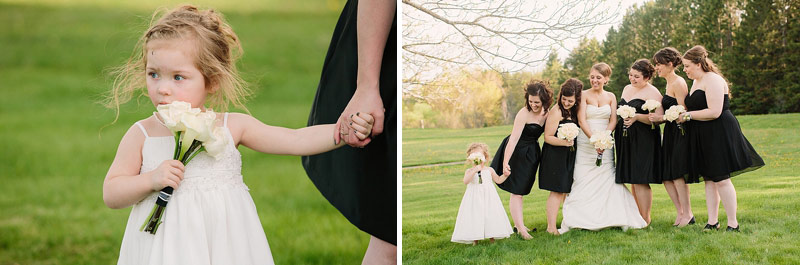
[664,69]
[596,79]
[568,102]
[637,79]
[691,69]
[535,103]
[172,74]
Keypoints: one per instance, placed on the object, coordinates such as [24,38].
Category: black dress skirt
[717,148]
[675,148]
[638,153]
[558,163]
[524,161]
[360,182]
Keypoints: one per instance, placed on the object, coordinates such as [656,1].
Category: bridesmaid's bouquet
[673,113]
[651,106]
[601,140]
[477,159]
[626,112]
[568,131]
[195,132]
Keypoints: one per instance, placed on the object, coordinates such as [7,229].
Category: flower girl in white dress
[188,55]
[481,214]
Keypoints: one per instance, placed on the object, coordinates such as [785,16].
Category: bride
[596,201]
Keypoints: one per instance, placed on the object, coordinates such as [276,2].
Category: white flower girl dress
[481,214]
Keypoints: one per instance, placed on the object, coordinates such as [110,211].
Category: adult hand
[363,100]
[655,118]
[628,122]
[506,170]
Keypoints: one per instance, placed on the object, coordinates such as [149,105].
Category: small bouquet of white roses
[477,159]
[651,106]
[626,112]
[601,140]
[195,131]
[673,113]
[568,131]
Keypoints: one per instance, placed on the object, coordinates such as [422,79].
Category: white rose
[171,114]
[215,145]
[651,105]
[674,112]
[476,158]
[626,112]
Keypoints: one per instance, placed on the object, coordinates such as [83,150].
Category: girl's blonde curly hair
[217,49]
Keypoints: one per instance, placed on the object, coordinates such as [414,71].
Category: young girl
[188,55]
[481,214]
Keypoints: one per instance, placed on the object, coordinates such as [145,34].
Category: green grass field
[768,207]
[55,154]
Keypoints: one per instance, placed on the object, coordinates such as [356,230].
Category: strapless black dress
[675,147]
[524,161]
[638,153]
[557,165]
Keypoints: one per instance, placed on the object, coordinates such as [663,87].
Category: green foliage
[581,59]
[456,99]
[767,200]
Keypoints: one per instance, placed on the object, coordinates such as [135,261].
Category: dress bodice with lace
[210,218]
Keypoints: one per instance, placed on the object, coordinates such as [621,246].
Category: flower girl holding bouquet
[180,168]
[481,214]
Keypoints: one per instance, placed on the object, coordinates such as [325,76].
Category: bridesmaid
[674,150]
[520,150]
[639,153]
[717,148]
[558,161]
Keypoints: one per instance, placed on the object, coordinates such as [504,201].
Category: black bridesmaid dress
[524,161]
[717,148]
[557,165]
[675,148]
[360,182]
[638,153]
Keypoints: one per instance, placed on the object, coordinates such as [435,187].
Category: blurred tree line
[755,43]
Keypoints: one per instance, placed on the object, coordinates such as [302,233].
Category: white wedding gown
[596,201]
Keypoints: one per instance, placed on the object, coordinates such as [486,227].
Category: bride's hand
[600,151]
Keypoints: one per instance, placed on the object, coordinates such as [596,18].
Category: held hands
[169,173]
[506,169]
[364,102]
[360,126]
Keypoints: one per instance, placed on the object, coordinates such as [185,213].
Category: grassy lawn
[56,150]
[768,206]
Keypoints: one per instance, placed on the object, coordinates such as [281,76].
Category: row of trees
[755,43]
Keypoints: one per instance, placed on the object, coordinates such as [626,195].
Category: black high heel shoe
[709,227]
[691,222]
[731,229]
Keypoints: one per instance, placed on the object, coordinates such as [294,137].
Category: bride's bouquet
[477,159]
[626,112]
[650,106]
[673,113]
[195,132]
[601,140]
[568,131]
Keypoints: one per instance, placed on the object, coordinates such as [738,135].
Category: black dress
[558,163]
[639,153]
[360,183]
[717,148]
[524,161]
[675,148]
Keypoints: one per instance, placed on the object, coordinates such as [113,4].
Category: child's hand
[169,173]
[362,125]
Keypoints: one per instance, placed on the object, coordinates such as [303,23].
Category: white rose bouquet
[601,140]
[626,112]
[651,106]
[568,131]
[673,113]
[477,159]
[194,131]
